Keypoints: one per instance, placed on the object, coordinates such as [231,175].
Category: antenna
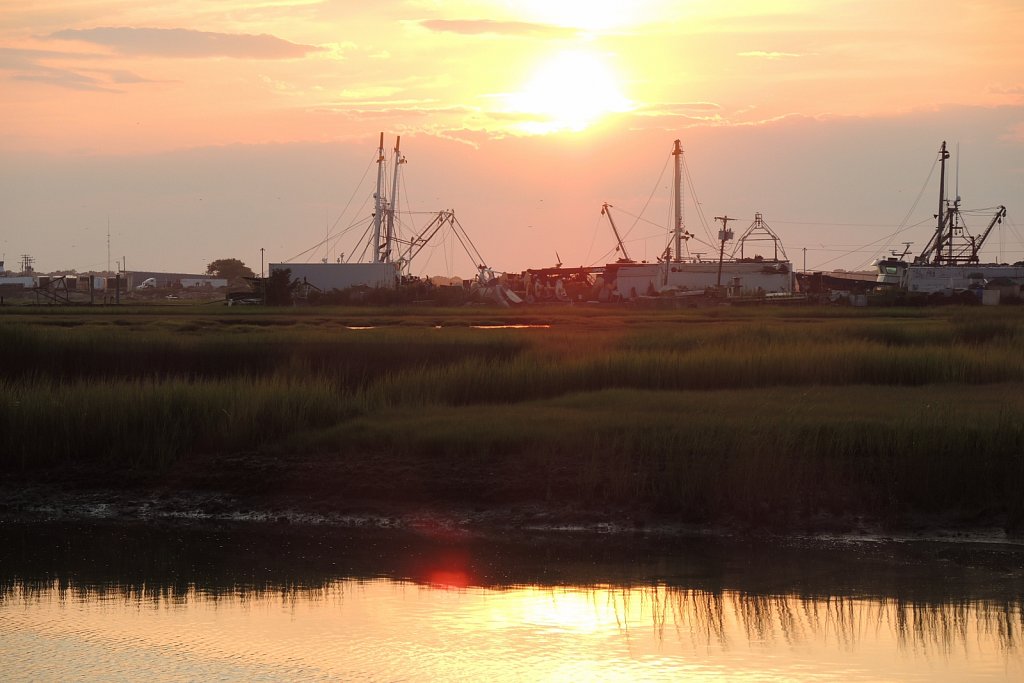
[108,244]
[957,182]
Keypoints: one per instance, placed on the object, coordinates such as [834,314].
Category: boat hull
[741,277]
[928,279]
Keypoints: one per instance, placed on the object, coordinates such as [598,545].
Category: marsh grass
[345,355]
[705,414]
[138,423]
[745,453]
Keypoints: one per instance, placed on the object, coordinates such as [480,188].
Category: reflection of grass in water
[716,618]
[697,618]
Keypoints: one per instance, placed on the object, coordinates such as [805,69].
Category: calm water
[170,602]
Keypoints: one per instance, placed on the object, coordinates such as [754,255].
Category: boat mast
[940,226]
[393,200]
[677,190]
[378,201]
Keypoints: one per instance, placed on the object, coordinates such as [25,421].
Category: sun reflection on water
[445,628]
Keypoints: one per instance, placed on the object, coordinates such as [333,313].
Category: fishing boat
[950,261]
[385,259]
[678,274]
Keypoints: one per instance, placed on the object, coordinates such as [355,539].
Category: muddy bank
[441,501]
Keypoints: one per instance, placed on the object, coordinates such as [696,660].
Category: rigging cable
[654,191]
[903,224]
[869,244]
[696,202]
[338,219]
[593,237]
[661,227]
[408,211]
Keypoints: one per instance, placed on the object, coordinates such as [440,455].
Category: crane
[622,247]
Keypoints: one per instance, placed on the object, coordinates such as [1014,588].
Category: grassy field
[779,416]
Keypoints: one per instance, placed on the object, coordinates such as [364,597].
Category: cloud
[28,66]
[475,27]
[369,92]
[63,78]
[1015,133]
[400,107]
[768,55]
[12,57]
[997,89]
[702,111]
[180,42]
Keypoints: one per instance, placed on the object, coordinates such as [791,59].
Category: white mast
[378,201]
[677,190]
[393,201]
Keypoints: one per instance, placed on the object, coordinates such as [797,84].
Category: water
[177,602]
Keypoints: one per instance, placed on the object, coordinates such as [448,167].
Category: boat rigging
[950,260]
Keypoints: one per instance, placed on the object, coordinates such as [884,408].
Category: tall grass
[742,453]
[33,353]
[704,413]
[139,423]
[850,363]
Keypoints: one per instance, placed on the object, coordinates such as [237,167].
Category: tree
[229,269]
[280,288]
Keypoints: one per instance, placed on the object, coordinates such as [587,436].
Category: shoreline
[452,523]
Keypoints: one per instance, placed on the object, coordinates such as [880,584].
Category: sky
[196,130]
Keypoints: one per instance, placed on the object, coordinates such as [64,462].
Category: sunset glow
[816,116]
[588,15]
[568,92]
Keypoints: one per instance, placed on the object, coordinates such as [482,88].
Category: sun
[568,92]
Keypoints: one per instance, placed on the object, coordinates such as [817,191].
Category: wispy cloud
[704,111]
[31,66]
[11,57]
[63,78]
[492,27]
[761,54]
[1014,133]
[999,89]
[180,42]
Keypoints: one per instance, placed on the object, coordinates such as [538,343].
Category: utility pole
[263,280]
[724,234]
[805,259]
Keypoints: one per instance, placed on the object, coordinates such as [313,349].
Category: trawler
[677,274]
[950,260]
